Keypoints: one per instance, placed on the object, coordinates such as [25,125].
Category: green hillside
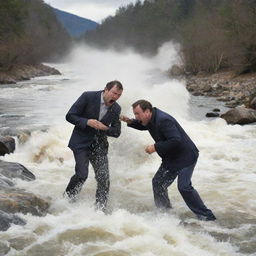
[29,33]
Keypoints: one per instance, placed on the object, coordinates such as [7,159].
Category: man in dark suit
[179,156]
[95,116]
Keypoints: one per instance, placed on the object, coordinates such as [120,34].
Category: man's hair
[111,84]
[144,104]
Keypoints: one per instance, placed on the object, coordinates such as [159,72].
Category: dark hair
[111,84]
[144,104]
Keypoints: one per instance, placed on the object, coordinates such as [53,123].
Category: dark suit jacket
[172,143]
[87,107]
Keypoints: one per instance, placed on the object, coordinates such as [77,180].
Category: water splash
[224,176]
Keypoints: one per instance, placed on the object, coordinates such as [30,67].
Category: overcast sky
[95,10]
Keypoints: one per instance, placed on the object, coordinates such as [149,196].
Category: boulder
[10,131]
[25,72]
[192,87]
[212,114]
[204,87]
[13,200]
[46,70]
[231,104]
[15,170]
[22,134]
[240,115]
[7,145]
[6,219]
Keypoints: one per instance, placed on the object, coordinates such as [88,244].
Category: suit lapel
[97,104]
[105,118]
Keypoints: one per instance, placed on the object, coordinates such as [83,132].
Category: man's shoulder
[161,116]
[91,93]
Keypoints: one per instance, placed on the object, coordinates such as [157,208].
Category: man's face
[142,116]
[112,95]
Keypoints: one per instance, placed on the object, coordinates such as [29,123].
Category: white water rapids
[224,176]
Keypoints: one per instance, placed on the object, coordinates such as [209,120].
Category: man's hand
[150,149]
[97,125]
[125,119]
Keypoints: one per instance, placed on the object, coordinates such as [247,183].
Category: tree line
[213,34]
[29,33]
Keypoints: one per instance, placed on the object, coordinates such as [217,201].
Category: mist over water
[224,176]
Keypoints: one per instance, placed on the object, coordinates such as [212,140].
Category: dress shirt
[103,107]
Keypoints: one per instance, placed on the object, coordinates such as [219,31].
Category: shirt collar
[101,99]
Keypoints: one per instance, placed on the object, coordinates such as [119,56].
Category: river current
[225,175]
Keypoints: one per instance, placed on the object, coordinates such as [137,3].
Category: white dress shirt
[103,107]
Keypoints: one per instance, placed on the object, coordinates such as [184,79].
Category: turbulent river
[225,175]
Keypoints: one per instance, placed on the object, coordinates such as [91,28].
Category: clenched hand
[97,125]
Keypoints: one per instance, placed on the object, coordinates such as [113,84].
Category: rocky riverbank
[237,91]
[26,72]
[14,200]
[225,86]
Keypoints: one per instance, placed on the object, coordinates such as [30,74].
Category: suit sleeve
[115,126]
[74,115]
[172,137]
[137,125]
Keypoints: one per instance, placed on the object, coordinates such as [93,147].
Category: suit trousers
[96,154]
[165,177]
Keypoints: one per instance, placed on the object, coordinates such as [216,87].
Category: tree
[214,34]
[29,33]
[203,40]
[240,25]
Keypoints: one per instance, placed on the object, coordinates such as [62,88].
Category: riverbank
[26,72]
[234,90]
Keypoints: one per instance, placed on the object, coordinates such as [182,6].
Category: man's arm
[74,115]
[133,123]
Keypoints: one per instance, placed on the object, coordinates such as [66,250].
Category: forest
[29,33]
[213,34]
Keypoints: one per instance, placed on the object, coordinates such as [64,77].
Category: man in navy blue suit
[95,116]
[179,156]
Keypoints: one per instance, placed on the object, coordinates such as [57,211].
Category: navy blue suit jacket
[87,107]
[172,143]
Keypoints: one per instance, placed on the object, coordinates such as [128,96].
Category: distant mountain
[75,25]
